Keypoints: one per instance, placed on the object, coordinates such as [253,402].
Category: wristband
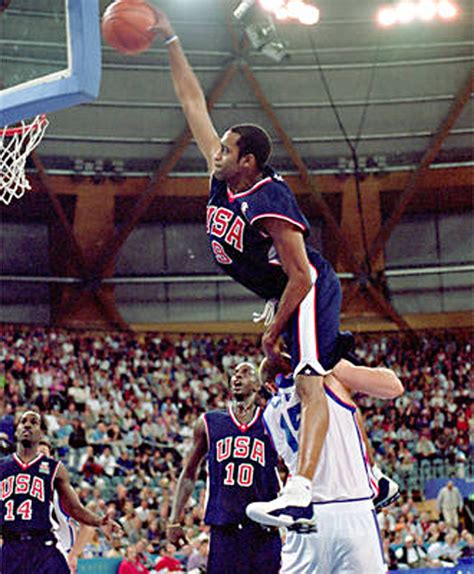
[170,39]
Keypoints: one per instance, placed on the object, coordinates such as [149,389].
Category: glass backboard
[51,56]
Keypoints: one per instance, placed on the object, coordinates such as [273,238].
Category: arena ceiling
[390,100]
[388,92]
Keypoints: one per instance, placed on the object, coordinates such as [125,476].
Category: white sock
[301,482]
[378,474]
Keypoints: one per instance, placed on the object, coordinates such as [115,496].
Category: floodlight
[282,13]
[406,12]
[447,9]
[426,10]
[387,16]
[272,5]
[294,8]
[309,15]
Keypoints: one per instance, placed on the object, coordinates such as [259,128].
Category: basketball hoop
[16,144]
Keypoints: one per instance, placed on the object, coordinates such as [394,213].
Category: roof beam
[109,312]
[352,262]
[414,183]
[166,165]
[385,306]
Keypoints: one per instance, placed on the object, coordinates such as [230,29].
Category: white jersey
[347,539]
[63,526]
[343,472]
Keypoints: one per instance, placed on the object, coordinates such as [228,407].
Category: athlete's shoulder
[216,414]
[53,462]
[274,182]
[6,461]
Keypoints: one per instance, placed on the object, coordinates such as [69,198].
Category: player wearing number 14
[28,480]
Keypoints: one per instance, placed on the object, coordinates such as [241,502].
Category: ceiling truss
[365,283]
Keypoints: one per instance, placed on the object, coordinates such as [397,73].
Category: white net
[16,145]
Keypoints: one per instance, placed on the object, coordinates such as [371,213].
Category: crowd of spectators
[120,411]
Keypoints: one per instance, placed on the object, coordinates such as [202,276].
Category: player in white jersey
[347,539]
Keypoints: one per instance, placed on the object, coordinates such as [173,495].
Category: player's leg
[50,560]
[314,349]
[314,344]
[264,550]
[361,548]
[223,557]
[314,423]
[309,553]
[13,558]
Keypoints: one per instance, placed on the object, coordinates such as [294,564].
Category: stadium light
[272,5]
[407,11]
[309,15]
[302,10]
[387,16]
[447,9]
[426,10]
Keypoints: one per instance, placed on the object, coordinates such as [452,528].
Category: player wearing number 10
[241,469]
[28,480]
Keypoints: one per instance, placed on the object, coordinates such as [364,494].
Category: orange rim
[26,128]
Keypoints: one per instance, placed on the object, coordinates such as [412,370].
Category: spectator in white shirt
[450,503]
[107,461]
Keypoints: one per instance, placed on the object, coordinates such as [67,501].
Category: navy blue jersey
[240,246]
[241,465]
[26,494]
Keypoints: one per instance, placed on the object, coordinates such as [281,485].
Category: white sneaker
[292,509]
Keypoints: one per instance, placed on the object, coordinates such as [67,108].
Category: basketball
[126,26]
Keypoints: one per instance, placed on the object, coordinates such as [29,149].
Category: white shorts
[347,542]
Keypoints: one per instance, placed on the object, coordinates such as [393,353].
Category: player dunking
[257,235]
[347,538]
[28,481]
[241,469]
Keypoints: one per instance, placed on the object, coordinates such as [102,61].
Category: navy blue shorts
[311,336]
[32,557]
[246,549]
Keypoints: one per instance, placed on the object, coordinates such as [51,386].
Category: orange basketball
[126,26]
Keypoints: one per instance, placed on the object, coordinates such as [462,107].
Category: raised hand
[111,528]
[162,25]
[175,535]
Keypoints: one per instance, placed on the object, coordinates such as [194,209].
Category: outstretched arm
[74,507]
[189,92]
[187,480]
[377,382]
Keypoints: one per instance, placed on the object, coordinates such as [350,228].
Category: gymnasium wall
[159,250]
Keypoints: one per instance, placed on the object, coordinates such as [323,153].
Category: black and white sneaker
[293,509]
[389,491]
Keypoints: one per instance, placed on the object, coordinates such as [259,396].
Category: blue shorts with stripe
[244,548]
[32,556]
[312,335]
